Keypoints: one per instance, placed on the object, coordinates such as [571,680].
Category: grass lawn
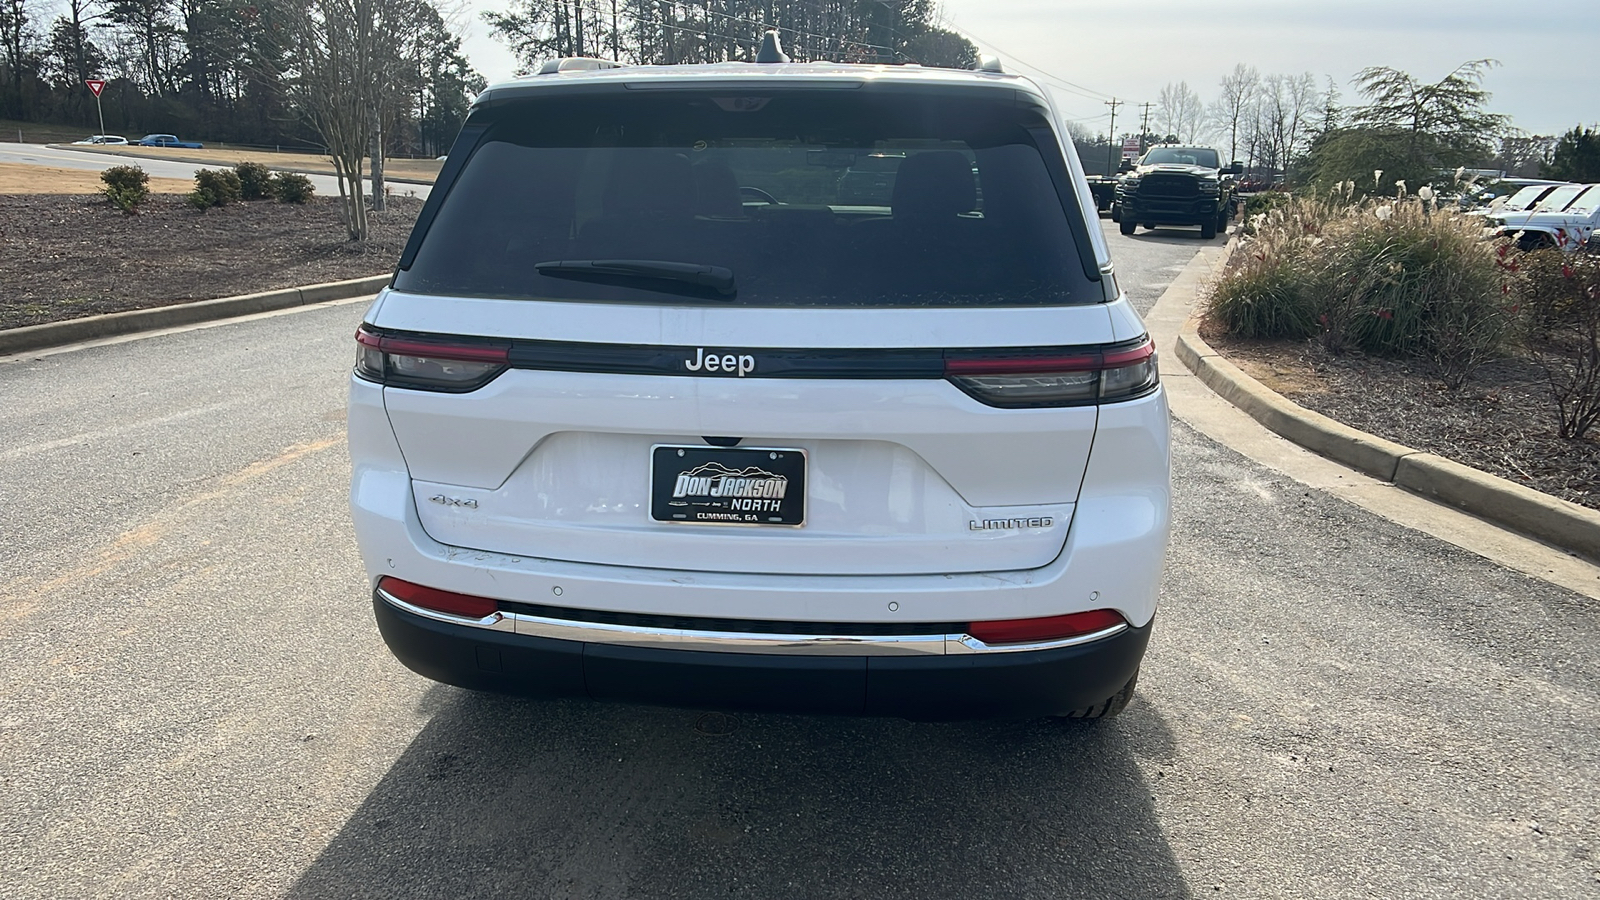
[22,178]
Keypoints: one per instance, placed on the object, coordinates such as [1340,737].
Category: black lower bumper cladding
[966,686]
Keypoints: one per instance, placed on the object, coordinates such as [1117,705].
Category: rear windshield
[804,198]
[1182,156]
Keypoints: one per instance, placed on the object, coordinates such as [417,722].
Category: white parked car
[1568,224]
[103,139]
[1522,201]
[648,415]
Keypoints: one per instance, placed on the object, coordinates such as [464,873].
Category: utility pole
[1144,126]
[1112,149]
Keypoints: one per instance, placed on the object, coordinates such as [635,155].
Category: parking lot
[194,701]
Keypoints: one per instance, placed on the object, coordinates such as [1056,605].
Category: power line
[1086,92]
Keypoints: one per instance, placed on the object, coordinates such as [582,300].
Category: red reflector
[1049,628]
[437,600]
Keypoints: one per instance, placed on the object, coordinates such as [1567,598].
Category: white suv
[648,414]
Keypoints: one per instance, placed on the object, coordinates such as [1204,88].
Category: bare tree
[1232,107]
[339,50]
[1179,111]
[1304,101]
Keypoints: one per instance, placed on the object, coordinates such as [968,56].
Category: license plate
[728,485]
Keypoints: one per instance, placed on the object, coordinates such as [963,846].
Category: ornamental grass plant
[1393,277]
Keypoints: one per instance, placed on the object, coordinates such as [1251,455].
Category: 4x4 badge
[742,365]
[454,501]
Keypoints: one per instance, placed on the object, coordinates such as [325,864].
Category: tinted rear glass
[809,198]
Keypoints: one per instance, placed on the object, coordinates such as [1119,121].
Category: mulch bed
[1502,421]
[70,255]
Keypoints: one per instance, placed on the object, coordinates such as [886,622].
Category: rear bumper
[999,685]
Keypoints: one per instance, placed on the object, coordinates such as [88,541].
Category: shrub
[215,187]
[293,188]
[126,187]
[255,181]
[1563,295]
[1260,204]
[1386,277]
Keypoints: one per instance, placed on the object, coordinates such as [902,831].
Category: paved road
[41,155]
[194,701]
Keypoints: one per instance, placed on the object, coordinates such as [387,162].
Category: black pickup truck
[1104,190]
[1175,185]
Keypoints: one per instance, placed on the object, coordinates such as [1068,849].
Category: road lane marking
[21,598]
[87,436]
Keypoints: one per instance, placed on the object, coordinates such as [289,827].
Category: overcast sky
[1547,81]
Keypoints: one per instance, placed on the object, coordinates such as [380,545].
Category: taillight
[427,365]
[1073,379]
[1050,628]
[437,600]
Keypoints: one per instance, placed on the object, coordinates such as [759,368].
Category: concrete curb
[88,328]
[1550,519]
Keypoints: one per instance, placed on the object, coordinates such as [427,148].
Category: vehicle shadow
[501,797]
[1172,234]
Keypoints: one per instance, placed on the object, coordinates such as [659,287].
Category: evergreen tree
[1576,156]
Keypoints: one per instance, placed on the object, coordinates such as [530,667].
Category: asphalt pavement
[194,700]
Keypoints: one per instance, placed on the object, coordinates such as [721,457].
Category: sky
[1546,81]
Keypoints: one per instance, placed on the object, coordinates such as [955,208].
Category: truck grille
[1178,186]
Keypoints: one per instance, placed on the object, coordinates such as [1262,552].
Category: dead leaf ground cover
[69,255]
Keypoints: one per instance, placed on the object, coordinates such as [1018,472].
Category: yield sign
[96,85]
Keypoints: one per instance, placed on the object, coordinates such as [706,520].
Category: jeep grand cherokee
[650,413]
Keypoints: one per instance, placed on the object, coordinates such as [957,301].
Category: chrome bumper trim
[966,643]
[744,642]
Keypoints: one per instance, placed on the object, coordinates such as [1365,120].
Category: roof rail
[576,64]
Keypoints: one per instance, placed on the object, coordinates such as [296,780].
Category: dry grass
[420,169]
[22,178]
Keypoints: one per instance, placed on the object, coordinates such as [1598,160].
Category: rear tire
[1116,212]
[1109,707]
[1208,230]
[1126,225]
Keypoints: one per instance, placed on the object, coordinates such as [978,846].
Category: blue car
[168,140]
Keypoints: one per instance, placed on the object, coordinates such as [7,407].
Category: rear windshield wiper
[714,278]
